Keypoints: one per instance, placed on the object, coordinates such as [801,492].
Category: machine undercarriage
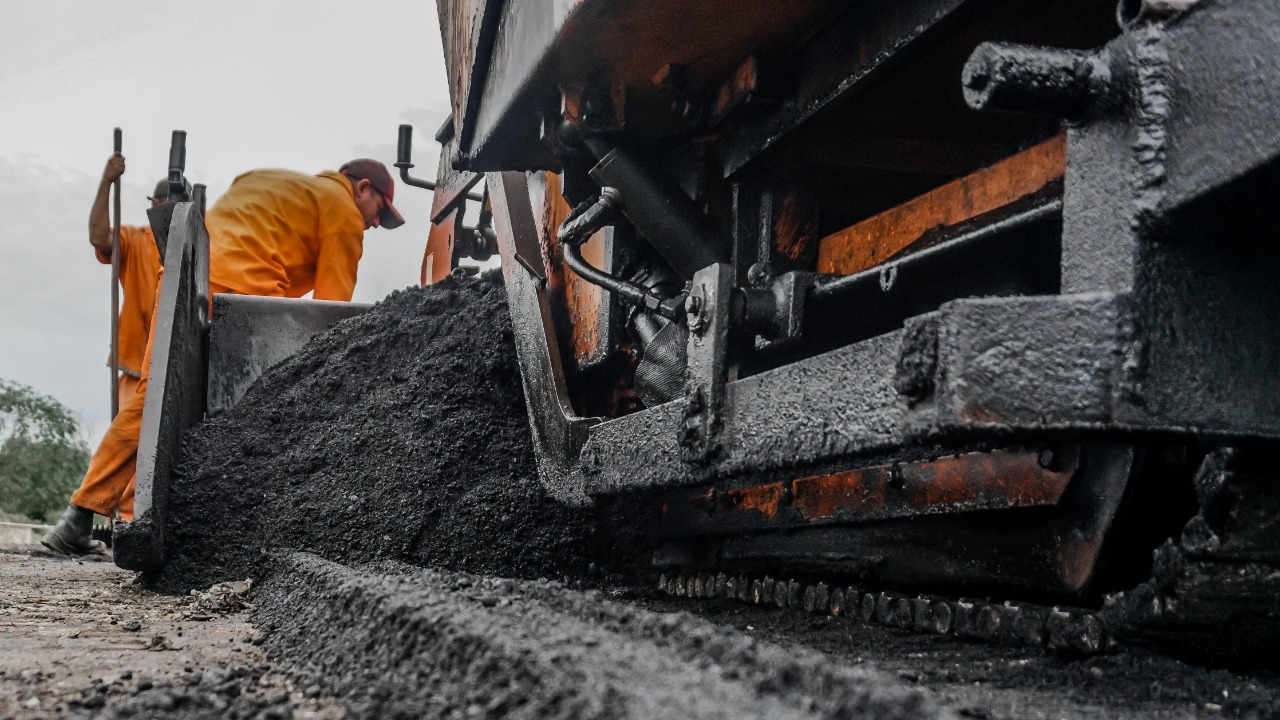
[955,297]
[939,296]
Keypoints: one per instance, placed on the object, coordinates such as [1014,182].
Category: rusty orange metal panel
[974,481]
[583,301]
[860,492]
[766,500]
[438,259]
[995,480]
[586,303]
[794,228]
[876,239]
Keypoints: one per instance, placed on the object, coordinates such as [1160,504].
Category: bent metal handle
[404,150]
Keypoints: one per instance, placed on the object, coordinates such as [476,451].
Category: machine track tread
[1210,596]
[1069,630]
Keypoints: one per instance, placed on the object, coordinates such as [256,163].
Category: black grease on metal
[398,434]
[1053,82]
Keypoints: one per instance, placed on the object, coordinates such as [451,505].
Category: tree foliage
[43,456]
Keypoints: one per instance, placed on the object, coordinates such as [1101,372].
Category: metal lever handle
[404,150]
[404,147]
[177,165]
[404,161]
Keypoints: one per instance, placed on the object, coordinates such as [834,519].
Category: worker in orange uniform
[274,232]
[139,263]
[285,234]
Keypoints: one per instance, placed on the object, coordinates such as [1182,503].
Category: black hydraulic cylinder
[662,212]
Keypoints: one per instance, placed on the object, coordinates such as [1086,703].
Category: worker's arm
[342,244]
[99,215]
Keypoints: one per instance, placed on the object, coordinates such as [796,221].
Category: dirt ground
[79,639]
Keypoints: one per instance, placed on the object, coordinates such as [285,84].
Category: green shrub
[43,456]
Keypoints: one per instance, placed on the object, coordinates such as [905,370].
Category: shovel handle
[118,142]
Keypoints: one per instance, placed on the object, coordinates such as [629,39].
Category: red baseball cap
[377,175]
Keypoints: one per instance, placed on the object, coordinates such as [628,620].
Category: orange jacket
[284,234]
[139,263]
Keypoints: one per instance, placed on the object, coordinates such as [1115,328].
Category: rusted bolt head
[1046,458]
[896,476]
[759,273]
[695,307]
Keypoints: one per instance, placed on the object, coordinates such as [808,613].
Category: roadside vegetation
[43,455]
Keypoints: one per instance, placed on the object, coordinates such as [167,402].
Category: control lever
[404,161]
[177,167]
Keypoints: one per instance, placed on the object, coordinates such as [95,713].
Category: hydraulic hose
[581,225]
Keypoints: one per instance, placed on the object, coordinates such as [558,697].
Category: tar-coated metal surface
[797,414]
[1026,363]
[1163,204]
[542,46]
[950,484]
[1151,333]
[1039,550]
[558,433]
[176,388]
[250,334]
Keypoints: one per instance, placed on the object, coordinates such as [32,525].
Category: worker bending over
[285,234]
[274,232]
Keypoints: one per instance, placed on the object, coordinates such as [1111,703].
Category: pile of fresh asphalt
[406,642]
[398,434]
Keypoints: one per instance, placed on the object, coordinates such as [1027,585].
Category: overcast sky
[299,84]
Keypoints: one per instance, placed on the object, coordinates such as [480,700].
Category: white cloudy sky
[300,84]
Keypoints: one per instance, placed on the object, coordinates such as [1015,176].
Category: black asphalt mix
[414,642]
[398,434]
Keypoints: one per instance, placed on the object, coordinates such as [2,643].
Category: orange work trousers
[108,485]
[125,387]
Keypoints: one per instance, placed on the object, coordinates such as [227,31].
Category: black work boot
[73,535]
